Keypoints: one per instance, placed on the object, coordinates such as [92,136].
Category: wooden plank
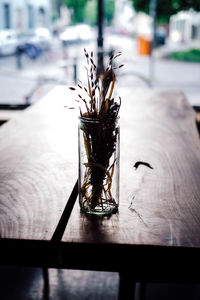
[38,168]
[158,207]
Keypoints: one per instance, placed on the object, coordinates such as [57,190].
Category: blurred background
[42,41]
[41,46]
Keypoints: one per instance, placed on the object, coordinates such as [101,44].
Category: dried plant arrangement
[99,139]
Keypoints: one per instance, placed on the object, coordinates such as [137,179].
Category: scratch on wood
[131,201]
[136,212]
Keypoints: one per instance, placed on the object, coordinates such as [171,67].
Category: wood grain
[38,168]
[159,207]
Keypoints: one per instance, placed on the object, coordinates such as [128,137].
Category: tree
[90,12]
[166,8]
[77,7]
[109,9]
[86,10]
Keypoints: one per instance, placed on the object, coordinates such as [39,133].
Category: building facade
[185,26]
[23,15]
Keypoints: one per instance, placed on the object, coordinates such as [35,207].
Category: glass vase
[99,154]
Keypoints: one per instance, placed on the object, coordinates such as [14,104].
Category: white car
[76,34]
[44,37]
[8,42]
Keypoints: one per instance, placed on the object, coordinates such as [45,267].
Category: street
[37,77]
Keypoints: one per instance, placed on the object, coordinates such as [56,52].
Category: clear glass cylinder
[99,154]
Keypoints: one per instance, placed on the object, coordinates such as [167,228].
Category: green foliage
[192,55]
[90,12]
[166,8]
[77,7]
[86,10]
[109,10]
[141,5]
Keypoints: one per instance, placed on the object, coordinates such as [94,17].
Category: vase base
[101,210]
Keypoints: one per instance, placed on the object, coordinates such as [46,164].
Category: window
[30,16]
[41,16]
[6,16]
[19,18]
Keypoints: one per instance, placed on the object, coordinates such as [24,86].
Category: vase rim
[95,120]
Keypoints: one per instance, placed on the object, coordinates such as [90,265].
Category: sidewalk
[167,74]
[31,82]
[163,72]
[37,78]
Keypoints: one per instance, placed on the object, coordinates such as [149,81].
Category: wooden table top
[159,211]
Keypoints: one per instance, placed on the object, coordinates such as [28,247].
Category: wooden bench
[155,236]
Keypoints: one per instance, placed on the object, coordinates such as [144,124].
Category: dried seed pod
[111,57]
[118,54]
[92,62]
[86,54]
[99,89]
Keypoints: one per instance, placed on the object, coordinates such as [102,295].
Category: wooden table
[155,236]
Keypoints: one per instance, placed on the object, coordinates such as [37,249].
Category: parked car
[44,37]
[8,42]
[33,43]
[76,34]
